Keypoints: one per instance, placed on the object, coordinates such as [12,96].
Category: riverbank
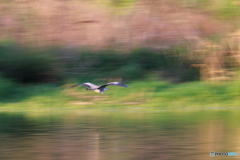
[140,96]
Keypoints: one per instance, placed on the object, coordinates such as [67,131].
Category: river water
[119,136]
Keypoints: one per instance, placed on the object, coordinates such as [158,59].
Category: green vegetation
[224,9]
[25,65]
[147,95]
[118,3]
[40,80]
[35,77]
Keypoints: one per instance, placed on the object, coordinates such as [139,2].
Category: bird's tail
[104,89]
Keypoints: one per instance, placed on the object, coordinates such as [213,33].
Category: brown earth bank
[155,24]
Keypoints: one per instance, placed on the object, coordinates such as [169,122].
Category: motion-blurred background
[47,40]
[180,59]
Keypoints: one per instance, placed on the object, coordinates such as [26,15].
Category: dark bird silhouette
[99,89]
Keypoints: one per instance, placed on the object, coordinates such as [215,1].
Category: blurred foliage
[129,71]
[21,67]
[115,3]
[224,9]
[179,63]
[26,65]
[8,89]
[13,92]
[138,63]
[119,3]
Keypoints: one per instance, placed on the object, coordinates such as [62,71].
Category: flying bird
[99,89]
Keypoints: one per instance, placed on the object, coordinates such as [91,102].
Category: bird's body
[99,89]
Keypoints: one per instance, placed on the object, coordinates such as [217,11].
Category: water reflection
[119,136]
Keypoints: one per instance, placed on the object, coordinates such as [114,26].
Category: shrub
[25,66]
[149,59]
[130,71]
[8,89]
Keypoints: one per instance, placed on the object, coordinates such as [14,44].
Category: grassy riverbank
[40,80]
[145,95]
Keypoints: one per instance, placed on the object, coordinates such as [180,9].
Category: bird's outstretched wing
[114,83]
[89,85]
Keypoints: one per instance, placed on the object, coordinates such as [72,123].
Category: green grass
[223,9]
[140,96]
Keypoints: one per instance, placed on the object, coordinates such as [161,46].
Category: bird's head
[87,88]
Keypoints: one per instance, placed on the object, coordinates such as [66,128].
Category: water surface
[119,136]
